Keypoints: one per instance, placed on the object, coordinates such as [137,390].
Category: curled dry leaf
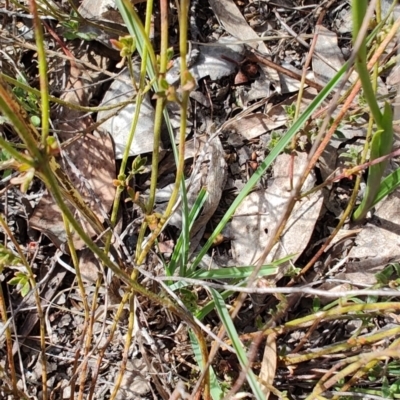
[268,365]
[234,22]
[209,171]
[216,61]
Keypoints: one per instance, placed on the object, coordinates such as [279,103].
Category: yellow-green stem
[368,367]
[75,263]
[42,326]
[87,343]
[139,100]
[365,340]
[160,105]
[348,311]
[9,344]
[102,351]
[44,84]
[128,342]
[183,28]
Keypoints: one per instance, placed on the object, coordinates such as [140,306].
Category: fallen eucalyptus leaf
[260,212]
[118,126]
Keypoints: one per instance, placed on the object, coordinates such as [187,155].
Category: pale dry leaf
[331,60]
[212,175]
[268,364]
[235,24]
[251,126]
[260,212]
[213,61]
[119,125]
[109,23]
[344,21]
[135,384]
[288,84]
[378,243]
[47,219]
[89,266]
[91,170]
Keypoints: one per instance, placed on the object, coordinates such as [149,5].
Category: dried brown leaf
[89,164]
[268,365]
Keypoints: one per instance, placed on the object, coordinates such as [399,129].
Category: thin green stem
[15,153]
[146,51]
[369,339]
[75,262]
[160,105]
[44,84]
[347,311]
[127,346]
[183,28]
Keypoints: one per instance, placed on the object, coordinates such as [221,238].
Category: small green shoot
[217,389]
[21,281]
[316,306]
[385,276]
[29,100]
[388,185]
[179,256]
[352,156]
[291,113]
[5,156]
[274,140]
[8,258]
[126,46]
[72,32]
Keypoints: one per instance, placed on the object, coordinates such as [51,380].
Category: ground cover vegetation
[199,199]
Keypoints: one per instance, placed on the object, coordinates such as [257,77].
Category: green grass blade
[210,306]
[236,343]
[270,159]
[176,257]
[233,272]
[387,186]
[381,145]
[215,388]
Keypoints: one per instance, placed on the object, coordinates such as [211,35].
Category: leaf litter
[222,163]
